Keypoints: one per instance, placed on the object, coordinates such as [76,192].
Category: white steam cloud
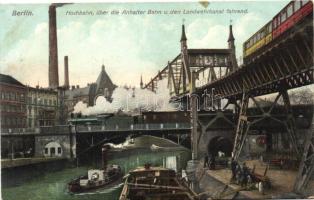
[130,100]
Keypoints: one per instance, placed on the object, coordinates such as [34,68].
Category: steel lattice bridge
[283,62]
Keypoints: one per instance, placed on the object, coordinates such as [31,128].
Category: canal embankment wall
[16,171]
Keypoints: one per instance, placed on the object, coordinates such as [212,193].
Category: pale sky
[127,45]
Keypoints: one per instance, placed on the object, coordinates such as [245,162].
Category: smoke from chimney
[53,48]
[66,72]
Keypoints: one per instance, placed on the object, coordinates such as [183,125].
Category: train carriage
[258,40]
[290,15]
[287,18]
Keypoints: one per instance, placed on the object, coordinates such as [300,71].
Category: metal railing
[60,129]
[132,127]
[65,129]
[19,131]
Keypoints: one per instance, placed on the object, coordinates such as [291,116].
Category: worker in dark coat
[212,162]
[206,163]
[244,175]
[233,169]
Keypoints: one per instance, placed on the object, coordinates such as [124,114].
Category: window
[283,16]
[278,20]
[50,102]
[29,99]
[297,5]
[304,2]
[46,150]
[269,28]
[22,98]
[52,151]
[106,93]
[12,96]
[290,10]
[7,96]
[59,150]
[45,101]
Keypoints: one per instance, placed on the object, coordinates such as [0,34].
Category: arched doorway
[221,144]
[53,149]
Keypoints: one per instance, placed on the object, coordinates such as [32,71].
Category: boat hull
[75,186]
[155,184]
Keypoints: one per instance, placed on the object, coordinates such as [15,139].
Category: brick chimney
[53,48]
[66,72]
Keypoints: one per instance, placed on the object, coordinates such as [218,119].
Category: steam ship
[95,178]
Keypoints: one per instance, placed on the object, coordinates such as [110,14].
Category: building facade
[12,103]
[102,87]
[42,107]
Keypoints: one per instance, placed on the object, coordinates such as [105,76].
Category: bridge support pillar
[247,120]
[194,118]
[242,127]
[306,169]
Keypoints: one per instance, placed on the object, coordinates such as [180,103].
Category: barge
[155,183]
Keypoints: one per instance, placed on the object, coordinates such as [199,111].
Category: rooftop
[7,79]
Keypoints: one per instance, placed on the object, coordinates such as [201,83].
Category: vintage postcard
[138,100]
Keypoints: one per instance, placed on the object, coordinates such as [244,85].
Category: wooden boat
[155,183]
[96,178]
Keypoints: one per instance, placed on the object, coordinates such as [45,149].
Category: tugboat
[96,178]
[155,183]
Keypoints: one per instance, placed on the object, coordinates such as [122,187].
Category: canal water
[52,185]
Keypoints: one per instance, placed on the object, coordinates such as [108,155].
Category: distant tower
[53,48]
[183,39]
[141,83]
[184,57]
[231,46]
[231,38]
[66,72]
